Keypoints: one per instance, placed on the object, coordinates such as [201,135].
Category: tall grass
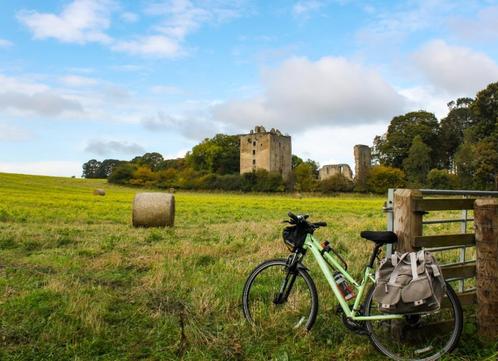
[79,283]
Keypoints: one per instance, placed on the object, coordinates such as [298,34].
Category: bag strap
[413,264]
[395,272]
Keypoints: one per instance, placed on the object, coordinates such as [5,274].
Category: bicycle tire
[456,310]
[302,274]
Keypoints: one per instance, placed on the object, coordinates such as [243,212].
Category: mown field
[77,282]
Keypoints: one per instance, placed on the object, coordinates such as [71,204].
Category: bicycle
[282,292]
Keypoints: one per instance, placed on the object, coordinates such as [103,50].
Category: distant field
[77,282]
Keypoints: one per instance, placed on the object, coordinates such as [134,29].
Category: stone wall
[271,151]
[363,162]
[330,170]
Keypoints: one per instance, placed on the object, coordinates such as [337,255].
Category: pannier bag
[294,236]
[409,282]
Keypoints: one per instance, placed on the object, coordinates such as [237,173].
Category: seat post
[374,254]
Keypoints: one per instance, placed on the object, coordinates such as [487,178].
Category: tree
[144,176]
[485,165]
[392,148]
[305,178]
[380,178]
[296,161]
[91,169]
[464,163]
[122,174]
[154,161]
[442,179]
[336,183]
[220,154]
[107,166]
[418,162]
[485,110]
[452,128]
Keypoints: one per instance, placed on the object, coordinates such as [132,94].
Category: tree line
[417,150]
[460,151]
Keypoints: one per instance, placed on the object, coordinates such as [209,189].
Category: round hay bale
[153,210]
[99,192]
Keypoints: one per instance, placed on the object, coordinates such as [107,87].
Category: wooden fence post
[486,229]
[407,222]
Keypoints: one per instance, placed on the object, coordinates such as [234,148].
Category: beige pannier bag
[409,282]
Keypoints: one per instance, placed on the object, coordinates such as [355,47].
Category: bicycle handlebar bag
[409,282]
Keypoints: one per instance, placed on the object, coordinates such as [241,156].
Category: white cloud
[113,147]
[482,27]
[9,133]
[52,168]
[166,90]
[179,18]
[42,103]
[304,7]
[81,21]
[333,145]
[4,43]
[302,94]
[27,97]
[78,81]
[456,70]
[154,45]
[194,127]
[129,17]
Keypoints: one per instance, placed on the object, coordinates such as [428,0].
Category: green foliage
[154,161]
[336,183]
[380,178]
[417,164]
[452,129]
[392,148]
[305,177]
[122,174]
[91,169]
[442,179]
[220,154]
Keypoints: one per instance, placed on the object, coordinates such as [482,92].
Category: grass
[77,282]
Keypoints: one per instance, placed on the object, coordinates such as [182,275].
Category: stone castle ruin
[271,151]
[330,170]
[363,162]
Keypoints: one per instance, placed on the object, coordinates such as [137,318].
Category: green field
[79,283]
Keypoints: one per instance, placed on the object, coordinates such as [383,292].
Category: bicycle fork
[288,282]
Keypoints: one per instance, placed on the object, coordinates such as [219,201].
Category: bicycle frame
[312,244]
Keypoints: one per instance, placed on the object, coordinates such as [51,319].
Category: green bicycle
[281,293]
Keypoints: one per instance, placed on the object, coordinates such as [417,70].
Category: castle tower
[271,151]
[363,162]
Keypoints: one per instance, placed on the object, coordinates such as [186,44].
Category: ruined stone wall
[363,162]
[271,151]
[330,170]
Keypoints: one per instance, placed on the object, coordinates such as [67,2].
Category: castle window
[254,143]
[248,140]
[254,162]
[253,152]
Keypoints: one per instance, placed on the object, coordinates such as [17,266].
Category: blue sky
[82,79]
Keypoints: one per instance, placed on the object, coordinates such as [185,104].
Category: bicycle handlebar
[297,219]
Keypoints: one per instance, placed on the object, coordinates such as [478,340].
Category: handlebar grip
[320,224]
[292,216]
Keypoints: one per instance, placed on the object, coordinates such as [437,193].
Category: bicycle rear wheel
[275,297]
[418,336]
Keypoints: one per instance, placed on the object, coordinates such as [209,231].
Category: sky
[83,79]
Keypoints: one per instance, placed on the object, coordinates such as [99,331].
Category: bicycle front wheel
[418,337]
[273,296]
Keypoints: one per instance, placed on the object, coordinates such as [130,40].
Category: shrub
[144,176]
[442,179]
[122,174]
[336,183]
[380,178]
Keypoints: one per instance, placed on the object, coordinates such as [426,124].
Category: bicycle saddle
[380,237]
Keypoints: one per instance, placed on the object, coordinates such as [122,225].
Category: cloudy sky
[82,79]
